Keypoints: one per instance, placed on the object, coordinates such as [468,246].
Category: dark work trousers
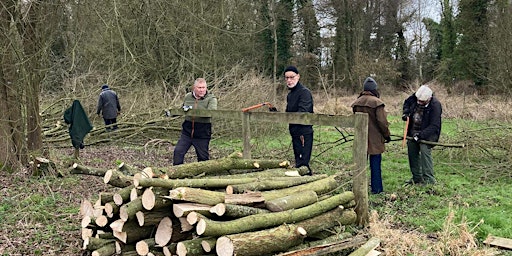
[302,147]
[185,142]
[421,162]
[110,121]
[376,174]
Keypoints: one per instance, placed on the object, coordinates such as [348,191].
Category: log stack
[229,206]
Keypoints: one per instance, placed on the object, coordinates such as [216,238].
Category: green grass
[471,181]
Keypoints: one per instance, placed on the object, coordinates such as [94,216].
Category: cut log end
[207,247]
[86,221]
[181,249]
[192,218]
[163,232]
[101,221]
[140,218]
[118,199]
[123,214]
[108,176]
[142,248]
[302,231]
[224,246]
[218,209]
[134,193]
[200,227]
[86,208]
[148,199]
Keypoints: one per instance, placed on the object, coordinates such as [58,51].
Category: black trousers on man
[302,147]
[185,142]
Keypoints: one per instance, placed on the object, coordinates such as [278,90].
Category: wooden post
[359,156]
[246,133]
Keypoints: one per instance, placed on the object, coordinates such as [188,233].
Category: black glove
[387,139]
[404,117]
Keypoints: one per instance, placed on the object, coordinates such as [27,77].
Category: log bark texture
[222,166]
[274,183]
[292,201]
[208,227]
[262,242]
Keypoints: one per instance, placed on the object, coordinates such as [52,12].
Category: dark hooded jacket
[108,104]
[431,120]
[79,123]
[299,99]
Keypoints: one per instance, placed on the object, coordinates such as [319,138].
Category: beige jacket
[378,126]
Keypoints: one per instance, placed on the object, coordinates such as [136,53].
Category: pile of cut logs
[228,206]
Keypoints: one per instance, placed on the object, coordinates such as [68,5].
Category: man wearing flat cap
[299,99]
[423,111]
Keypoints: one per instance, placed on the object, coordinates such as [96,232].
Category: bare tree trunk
[12,144]
[32,49]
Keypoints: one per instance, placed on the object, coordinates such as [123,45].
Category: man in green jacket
[196,131]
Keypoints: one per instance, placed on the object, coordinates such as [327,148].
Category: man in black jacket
[424,113]
[299,99]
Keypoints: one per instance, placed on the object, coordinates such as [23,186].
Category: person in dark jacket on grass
[423,111]
[108,105]
[196,131]
[299,99]
[369,102]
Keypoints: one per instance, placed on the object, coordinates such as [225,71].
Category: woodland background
[54,48]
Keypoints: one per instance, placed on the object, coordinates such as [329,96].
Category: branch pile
[229,206]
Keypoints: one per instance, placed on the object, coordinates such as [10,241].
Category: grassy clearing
[39,216]
[471,196]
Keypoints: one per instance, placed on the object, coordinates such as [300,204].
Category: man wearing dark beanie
[378,129]
[299,99]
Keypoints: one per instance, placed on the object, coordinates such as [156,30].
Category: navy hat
[292,69]
[103,87]
[369,84]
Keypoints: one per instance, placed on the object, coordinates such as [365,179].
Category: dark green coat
[79,123]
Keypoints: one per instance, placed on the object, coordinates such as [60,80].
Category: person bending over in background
[196,131]
[378,129]
[299,99]
[108,105]
[424,113]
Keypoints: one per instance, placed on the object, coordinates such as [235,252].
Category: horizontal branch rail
[278,117]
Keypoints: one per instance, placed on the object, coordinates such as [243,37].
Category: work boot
[412,182]
[310,172]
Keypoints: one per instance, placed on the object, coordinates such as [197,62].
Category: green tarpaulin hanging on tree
[79,123]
